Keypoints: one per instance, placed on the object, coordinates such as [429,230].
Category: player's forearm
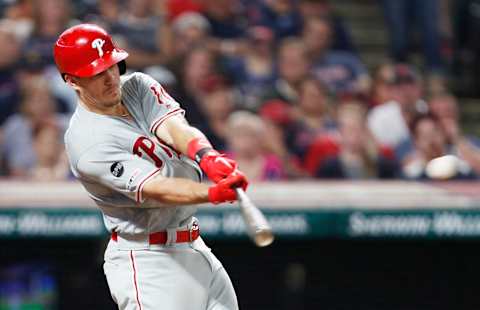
[183,138]
[176,132]
[176,191]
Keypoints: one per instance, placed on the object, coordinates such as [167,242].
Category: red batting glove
[215,165]
[224,190]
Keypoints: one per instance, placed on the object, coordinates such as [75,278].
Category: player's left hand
[215,165]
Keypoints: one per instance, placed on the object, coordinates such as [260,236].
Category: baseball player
[130,146]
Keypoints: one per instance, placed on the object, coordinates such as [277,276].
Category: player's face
[102,89]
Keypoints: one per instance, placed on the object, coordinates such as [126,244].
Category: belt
[161,237]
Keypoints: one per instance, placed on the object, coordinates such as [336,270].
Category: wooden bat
[257,226]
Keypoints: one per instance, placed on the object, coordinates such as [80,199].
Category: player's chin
[113,98]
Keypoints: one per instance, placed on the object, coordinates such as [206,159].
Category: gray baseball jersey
[113,157]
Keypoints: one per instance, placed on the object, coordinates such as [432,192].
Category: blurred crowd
[277,84]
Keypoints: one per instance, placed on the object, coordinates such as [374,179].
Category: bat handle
[242,196]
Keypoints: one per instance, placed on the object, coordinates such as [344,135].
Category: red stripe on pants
[135,280]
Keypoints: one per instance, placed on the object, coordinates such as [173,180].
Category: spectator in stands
[51,17]
[51,161]
[217,103]
[312,117]
[444,105]
[176,8]
[352,153]
[31,69]
[203,92]
[18,18]
[146,36]
[254,71]
[246,143]
[190,29]
[224,19]
[193,29]
[199,64]
[106,14]
[389,122]
[9,86]
[382,86]
[431,142]
[341,71]
[281,16]
[341,39]
[277,116]
[293,66]
[37,108]
[401,16]
[444,108]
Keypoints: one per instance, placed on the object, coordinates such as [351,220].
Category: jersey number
[146,145]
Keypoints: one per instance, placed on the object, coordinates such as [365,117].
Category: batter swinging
[130,146]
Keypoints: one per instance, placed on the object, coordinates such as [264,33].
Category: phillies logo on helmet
[98,44]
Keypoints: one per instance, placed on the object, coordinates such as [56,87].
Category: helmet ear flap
[122,66]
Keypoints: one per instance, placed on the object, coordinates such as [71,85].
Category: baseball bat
[257,226]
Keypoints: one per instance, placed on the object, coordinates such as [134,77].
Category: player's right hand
[217,166]
[224,190]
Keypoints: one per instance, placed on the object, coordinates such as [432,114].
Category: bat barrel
[263,237]
[257,225]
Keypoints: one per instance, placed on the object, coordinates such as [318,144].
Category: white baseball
[443,168]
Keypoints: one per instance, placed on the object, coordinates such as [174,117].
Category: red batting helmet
[86,50]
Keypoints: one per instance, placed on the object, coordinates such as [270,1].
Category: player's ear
[71,80]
